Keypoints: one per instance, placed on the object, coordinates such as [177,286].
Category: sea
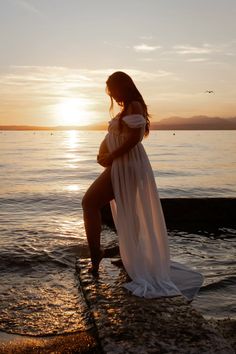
[44,175]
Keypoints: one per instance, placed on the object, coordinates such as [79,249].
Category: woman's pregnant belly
[103,149]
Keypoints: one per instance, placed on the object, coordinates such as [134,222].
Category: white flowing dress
[140,223]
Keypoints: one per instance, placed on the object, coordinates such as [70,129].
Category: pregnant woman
[128,184]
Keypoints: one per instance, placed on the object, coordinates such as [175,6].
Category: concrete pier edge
[192,213]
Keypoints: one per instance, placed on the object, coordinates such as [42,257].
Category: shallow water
[43,178]
[215,257]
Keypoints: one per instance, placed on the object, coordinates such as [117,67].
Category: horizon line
[186,123]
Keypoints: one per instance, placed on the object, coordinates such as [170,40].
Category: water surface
[43,178]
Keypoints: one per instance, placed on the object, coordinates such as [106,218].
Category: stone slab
[128,324]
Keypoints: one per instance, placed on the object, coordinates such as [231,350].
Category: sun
[72,111]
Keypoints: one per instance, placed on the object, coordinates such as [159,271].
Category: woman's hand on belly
[104,157]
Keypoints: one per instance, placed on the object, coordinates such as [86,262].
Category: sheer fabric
[140,223]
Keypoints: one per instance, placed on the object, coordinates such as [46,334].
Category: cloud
[186,49]
[206,48]
[45,85]
[197,60]
[116,45]
[37,91]
[144,48]
[51,83]
[146,38]
[146,76]
[178,96]
[146,59]
[230,54]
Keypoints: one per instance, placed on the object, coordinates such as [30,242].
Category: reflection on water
[72,139]
[72,188]
[43,178]
[195,164]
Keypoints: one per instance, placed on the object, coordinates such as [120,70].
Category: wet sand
[82,343]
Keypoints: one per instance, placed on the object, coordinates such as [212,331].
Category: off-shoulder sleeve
[134,120]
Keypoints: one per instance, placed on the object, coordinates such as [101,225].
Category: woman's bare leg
[98,194]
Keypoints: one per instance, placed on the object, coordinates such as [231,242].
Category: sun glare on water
[72,111]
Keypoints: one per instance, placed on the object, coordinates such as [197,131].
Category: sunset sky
[55,56]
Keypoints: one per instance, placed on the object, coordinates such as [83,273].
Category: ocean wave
[23,258]
[194,192]
[48,201]
[173,173]
[220,284]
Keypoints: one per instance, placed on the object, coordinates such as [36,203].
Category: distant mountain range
[171,123]
[195,123]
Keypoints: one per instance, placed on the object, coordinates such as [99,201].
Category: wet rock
[128,324]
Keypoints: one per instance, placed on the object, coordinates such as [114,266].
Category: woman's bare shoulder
[135,107]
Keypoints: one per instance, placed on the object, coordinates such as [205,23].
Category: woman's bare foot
[95,263]
[118,262]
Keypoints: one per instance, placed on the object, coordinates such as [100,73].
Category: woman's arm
[133,137]
[133,134]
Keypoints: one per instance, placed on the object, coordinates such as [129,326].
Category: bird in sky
[209,91]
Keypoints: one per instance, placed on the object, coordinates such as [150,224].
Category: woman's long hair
[121,87]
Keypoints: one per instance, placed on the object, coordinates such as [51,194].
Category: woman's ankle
[96,257]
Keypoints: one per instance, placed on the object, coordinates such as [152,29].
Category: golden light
[72,139]
[72,188]
[72,111]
